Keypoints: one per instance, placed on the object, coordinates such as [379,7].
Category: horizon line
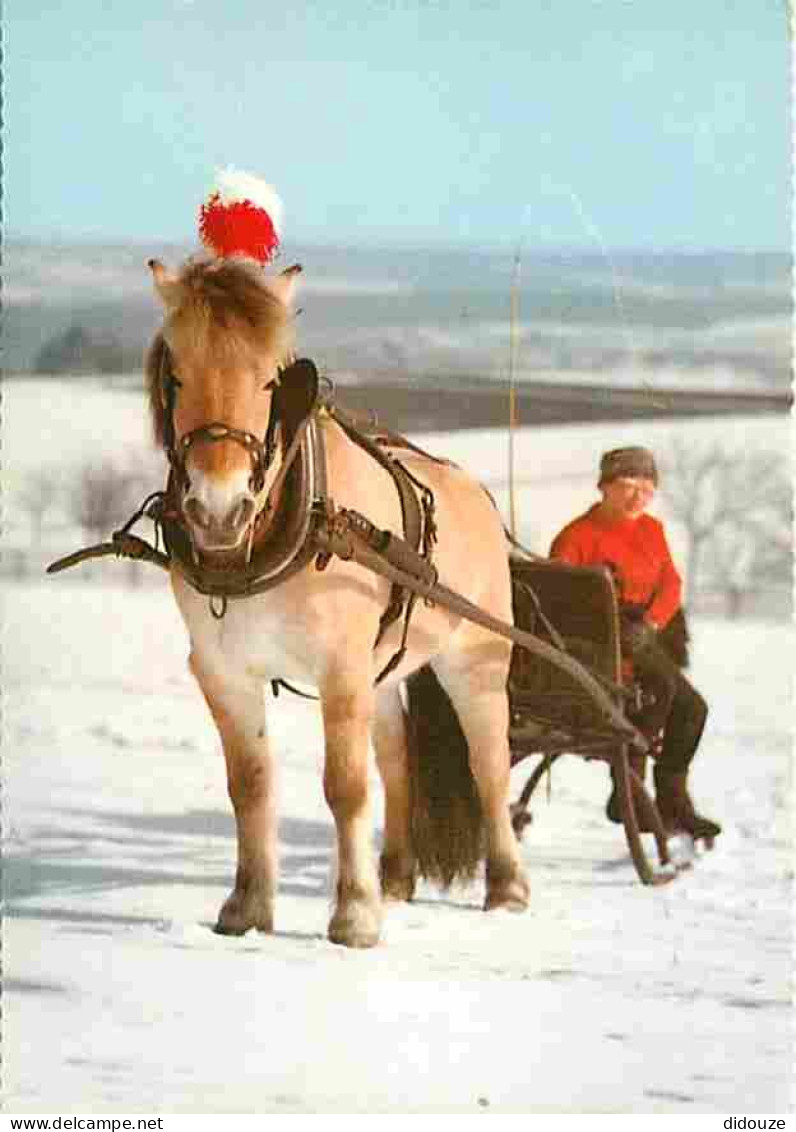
[496,247]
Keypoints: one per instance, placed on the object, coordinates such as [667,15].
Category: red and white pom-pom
[242,216]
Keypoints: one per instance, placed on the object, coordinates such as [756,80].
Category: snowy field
[119,849]
[52,423]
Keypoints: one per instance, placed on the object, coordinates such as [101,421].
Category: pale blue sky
[558,123]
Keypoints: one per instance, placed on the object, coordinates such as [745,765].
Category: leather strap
[411,513]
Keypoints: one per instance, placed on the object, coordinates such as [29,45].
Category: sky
[581,124]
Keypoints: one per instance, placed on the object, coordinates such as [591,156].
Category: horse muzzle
[227,528]
[220,510]
[220,531]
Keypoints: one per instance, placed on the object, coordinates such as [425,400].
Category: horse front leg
[239,713]
[347,708]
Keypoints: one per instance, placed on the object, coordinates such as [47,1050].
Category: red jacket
[638,552]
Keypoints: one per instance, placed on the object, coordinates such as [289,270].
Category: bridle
[260,452]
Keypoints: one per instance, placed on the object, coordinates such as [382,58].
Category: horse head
[211,373]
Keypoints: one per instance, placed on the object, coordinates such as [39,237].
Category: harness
[303,523]
[420,529]
[297,508]
[295,504]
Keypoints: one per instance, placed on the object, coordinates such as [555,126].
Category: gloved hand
[628,611]
[635,635]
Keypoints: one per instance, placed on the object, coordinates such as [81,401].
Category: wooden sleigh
[575,608]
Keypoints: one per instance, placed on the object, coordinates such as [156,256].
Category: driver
[617,532]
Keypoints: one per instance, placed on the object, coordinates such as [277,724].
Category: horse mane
[153,368]
[223,316]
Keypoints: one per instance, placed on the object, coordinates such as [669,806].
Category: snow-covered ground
[119,849]
[604,997]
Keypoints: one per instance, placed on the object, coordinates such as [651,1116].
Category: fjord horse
[227,330]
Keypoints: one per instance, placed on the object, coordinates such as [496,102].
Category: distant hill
[711,318]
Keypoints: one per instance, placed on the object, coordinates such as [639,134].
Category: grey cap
[628,462]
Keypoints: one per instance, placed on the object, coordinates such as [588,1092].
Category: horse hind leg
[239,714]
[475,680]
[397,866]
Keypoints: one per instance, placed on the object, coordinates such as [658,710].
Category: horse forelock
[225,310]
[224,318]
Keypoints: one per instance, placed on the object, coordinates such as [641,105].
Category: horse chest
[269,644]
[257,637]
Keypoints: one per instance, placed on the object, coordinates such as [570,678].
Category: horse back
[469,550]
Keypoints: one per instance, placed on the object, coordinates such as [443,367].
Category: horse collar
[289,543]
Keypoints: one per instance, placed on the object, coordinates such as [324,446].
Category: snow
[119,850]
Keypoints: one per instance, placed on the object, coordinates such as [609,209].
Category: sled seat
[573,606]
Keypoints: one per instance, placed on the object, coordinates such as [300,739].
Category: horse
[215,373]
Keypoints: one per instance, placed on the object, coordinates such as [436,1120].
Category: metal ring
[218,611]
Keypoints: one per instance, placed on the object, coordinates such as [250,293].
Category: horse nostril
[223,527]
[197,513]
[241,514]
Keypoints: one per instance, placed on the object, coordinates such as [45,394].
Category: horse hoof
[240,915]
[356,925]
[516,901]
[397,880]
[398,891]
[511,892]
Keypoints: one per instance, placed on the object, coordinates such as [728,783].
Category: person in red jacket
[617,532]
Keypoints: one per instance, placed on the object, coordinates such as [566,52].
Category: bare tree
[104,496]
[730,565]
[695,497]
[735,506]
[37,495]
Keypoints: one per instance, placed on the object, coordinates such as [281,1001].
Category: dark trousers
[678,709]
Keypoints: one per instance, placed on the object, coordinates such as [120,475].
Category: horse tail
[447,831]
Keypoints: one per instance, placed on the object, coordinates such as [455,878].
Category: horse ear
[283,286]
[165,283]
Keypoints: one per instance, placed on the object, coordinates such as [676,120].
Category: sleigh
[575,609]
